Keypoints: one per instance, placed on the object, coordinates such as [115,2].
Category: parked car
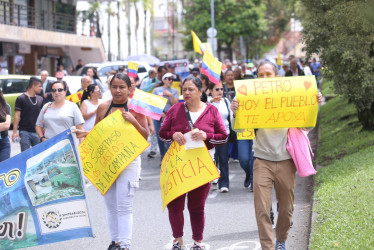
[104,68]
[13,86]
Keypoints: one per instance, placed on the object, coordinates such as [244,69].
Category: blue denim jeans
[233,150]
[221,157]
[4,148]
[246,157]
[28,139]
[163,146]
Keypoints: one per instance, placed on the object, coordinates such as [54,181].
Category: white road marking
[251,244]
[170,245]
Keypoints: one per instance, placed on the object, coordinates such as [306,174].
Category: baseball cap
[195,70]
[59,75]
[167,75]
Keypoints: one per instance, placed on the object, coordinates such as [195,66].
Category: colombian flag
[211,67]
[148,104]
[197,45]
[132,69]
[75,97]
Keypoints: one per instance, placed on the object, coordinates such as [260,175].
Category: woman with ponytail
[89,104]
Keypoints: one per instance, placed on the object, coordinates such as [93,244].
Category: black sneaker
[152,154]
[247,181]
[113,246]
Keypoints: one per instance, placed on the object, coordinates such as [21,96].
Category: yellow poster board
[246,134]
[184,170]
[177,85]
[108,149]
[77,97]
[281,102]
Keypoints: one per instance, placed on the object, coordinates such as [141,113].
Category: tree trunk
[136,27]
[229,48]
[128,27]
[119,30]
[145,31]
[219,49]
[98,31]
[366,117]
[109,38]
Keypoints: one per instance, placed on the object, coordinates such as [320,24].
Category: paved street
[230,219]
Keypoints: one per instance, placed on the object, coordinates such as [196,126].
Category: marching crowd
[208,109]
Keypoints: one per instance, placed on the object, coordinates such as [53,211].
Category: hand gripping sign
[281,102]
[184,170]
[108,149]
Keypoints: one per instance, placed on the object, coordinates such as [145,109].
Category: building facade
[41,34]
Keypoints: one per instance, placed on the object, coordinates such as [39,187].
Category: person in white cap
[173,97]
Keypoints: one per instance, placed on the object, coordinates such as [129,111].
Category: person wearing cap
[121,69]
[195,72]
[171,69]
[172,95]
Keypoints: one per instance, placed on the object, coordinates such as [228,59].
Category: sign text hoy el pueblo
[282,102]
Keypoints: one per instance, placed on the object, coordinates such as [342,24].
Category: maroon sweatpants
[196,204]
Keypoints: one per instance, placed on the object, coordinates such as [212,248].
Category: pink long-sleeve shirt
[210,121]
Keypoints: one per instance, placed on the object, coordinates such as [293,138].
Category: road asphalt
[230,217]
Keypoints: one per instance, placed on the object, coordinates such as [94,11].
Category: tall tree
[341,32]
[233,18]
[147,8]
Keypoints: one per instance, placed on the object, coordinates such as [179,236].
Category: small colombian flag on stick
[148,104]
[132,69]
[211,67]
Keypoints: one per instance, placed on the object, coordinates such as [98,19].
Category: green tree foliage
[232,19]
[341,32]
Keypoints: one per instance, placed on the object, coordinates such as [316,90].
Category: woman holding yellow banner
[208,126]
[273,166]
[119,198]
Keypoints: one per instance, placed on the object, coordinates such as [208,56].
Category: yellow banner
[75,97]
[184,170]
[246,134]
[108,150]
[282,102]
[177,86]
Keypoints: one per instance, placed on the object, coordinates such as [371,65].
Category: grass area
[327,87]
[345,186]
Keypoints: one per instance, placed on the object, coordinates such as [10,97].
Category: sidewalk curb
[313,214]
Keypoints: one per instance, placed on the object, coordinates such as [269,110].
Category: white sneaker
[224,190]
[215,181]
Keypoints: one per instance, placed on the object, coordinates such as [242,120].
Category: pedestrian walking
[120,196]
[59,115]
[180,119]
[90,102]
[5,120]
[173,97]
[221,156]
[27,109]
[273,166]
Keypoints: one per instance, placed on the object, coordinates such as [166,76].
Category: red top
[210,121]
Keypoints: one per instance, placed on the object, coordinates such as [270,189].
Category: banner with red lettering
[281,102]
